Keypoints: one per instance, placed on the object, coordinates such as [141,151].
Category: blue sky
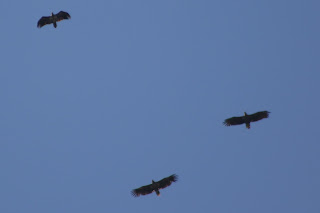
[130,91]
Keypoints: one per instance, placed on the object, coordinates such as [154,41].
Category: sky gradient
[129,91]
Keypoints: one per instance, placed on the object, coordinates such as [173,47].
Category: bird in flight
[155,186]
[246,119]
[54,18]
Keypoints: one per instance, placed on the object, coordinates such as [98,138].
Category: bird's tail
[248,125]
[55,24]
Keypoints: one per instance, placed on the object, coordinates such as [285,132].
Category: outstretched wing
[259,115]
[144,190]
[165,182]
[234,121]
[62,15]
[44,20]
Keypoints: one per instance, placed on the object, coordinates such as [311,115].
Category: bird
[246,119]
[155,186]
[54,18]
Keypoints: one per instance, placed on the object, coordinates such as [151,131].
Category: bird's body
[53,19]
[155,186]
[246,119]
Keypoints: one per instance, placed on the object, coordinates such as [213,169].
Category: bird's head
[51,13]
[153,181]
[245,114]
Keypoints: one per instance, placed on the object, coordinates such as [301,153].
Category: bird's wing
[63,15]
[143,190]
[165,182]
[233,121]
[259,115]
[44,20]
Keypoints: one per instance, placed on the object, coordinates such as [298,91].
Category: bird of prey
[246,119]
[54,18]
[155,186]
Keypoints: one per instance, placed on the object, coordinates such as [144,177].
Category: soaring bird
[246,119]
[54,18]
[155,186]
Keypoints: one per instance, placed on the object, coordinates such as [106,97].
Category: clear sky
[129,91]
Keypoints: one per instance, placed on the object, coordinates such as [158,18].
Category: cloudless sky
[129,91]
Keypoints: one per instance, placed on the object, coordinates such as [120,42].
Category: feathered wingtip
[134,193]
[174,177]
[267,113]
[226,123]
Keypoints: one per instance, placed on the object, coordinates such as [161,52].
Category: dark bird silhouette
[54,18]
[155,186]
[246,119]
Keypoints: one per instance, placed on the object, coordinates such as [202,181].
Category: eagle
[246,119]
[54,18]
[155,186]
